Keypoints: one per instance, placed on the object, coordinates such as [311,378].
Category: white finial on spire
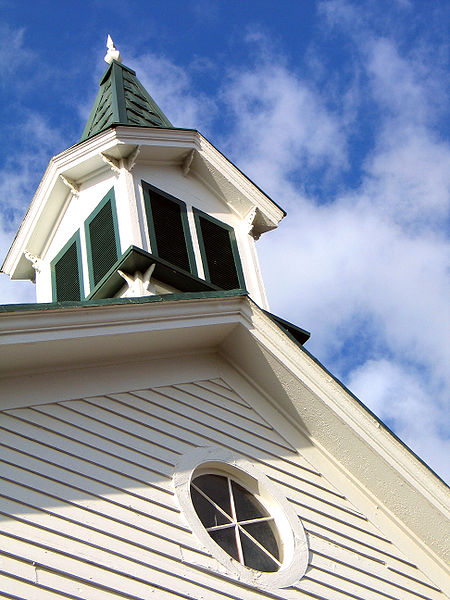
[113,53]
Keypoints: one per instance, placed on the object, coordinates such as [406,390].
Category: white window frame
[291,535]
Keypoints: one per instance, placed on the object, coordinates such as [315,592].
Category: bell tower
[140,207]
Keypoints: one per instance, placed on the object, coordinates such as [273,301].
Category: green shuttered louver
[170,239]
[218,253]
[168,235]
[102,240]
[66,275]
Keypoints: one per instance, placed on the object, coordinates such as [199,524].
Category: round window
[237,521]
[241,517]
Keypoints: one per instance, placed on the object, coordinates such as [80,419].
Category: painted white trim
[82,160]
[212,459]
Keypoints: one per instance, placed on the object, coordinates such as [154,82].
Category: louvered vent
[138,108]
[168,230]
[219,254]
[103,246]
[66,275]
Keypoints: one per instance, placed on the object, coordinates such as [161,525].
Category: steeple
[122,99]
[140,208]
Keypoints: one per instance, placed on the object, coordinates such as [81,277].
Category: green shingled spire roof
[122,100]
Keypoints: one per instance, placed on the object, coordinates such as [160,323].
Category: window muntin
[66,271]
[236,521]
[220,255]
[102,238]
[168,228]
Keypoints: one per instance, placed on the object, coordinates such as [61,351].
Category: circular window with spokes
[237,521]
[241,518]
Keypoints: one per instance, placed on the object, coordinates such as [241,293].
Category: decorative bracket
[250,219]
[132,158]
[186,166]
[111,162]
[73,187]
[139,284]
[35,261]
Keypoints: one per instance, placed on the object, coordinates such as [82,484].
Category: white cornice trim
[78,162]
[195,140]
[52,324]
[347,408]
[257,197]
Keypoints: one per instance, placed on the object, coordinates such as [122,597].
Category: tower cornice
[84,160]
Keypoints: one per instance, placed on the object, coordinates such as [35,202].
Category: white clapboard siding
[328,556]
[108,567]
[153,471]
[88,511]
[371,549]
[223,405]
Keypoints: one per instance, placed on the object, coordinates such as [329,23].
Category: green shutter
[102,239]
[218,246]
[67,281]
[168,228]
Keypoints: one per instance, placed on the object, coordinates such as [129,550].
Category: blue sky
[337,109]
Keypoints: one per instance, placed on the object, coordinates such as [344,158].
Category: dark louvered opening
[169,232]
[103,242]
[104,111]
[138,108]
[67,277]
[219,255]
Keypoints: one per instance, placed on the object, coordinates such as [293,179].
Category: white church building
[162,434]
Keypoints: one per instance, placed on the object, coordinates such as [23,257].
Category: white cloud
[170,87]
[13,292]
[13,53]
[347,263]
[280,124]
[402,85]
[19,177]
[398,397]
[408,174]
[366,271]
[36,141]
[340,12]
[408,177]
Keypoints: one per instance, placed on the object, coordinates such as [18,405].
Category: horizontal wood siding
[88,510]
